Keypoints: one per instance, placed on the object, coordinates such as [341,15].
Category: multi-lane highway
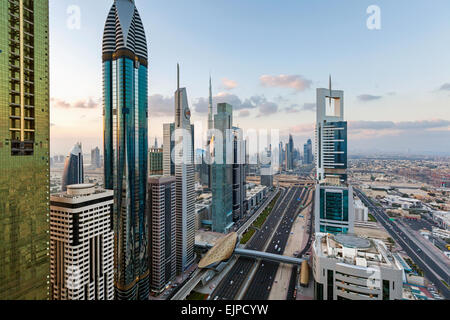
[261,284]
[232,283]
[433,269]
[294,274]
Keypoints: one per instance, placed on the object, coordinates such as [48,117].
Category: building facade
[331,135]
[185,180]
[222,170]
[308,152]
[168,146]
[155,161]
[239,178]
[125,86]
[347,267]
[161,205]
[24,150]
[82,244]
[73,168]
[95,158]
[334,211]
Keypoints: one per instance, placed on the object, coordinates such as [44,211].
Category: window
[330,284]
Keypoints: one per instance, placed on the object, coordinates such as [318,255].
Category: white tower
[185,180]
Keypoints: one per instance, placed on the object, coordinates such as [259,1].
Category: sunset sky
[266,58]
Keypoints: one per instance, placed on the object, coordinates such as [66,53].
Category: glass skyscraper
[334,212]
[222,170]
[125,118]
[73,168]
[24,150]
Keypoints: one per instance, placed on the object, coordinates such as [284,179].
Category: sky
[266,58]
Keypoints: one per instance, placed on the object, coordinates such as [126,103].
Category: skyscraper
[168,146]
[95,158]
[307,152]
[155,161]
[125,118]
[208,155]
[161,210]
[82,244]
[239,178]
[267,169]
[331,135]
[73,168]
[334,211]
[222,170]
[185,180]
[290,154]
[281,155]
[24,149]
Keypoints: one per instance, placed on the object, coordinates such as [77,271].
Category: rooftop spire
[178,76]
[210,105]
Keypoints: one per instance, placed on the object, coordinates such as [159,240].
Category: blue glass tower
[334,211]
[73,168]
[125,117]
[222,170]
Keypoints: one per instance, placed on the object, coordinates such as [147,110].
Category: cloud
[267,108]
[259,102]
[160,106]
[445,87]
[90,103]
[228,84]
[294,108]
[201,104]
[296,82]
[244,114]
[368,97]
[405,125]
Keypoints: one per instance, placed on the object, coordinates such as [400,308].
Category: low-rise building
[361,211]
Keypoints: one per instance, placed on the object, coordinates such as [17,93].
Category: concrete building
[255,196]
[222,170]
[361,211]
[82,244]
[347,267]
[168,146]
[161,204]
[185,180]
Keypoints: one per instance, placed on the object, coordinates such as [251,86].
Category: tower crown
[124,31]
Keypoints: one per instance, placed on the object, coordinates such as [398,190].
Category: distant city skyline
[270,81]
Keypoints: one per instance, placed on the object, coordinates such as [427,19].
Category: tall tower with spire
[125,109]
[185,180]
[210,107]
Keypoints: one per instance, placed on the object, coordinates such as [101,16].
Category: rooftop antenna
[178,113]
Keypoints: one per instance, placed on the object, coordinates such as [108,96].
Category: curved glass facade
[125,85]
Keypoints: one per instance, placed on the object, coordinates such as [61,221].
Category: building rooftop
[80,191]
[355,250]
